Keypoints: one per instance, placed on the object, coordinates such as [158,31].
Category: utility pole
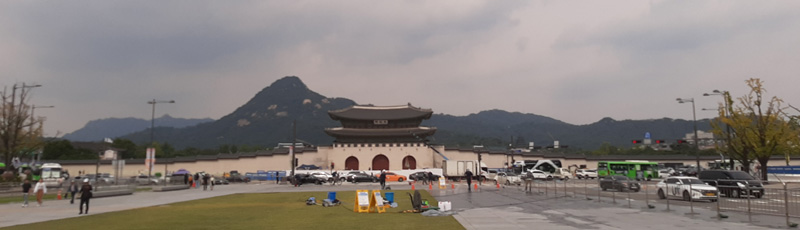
[291,148]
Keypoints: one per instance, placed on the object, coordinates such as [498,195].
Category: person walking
[73,188]
[40,189]
[430,177]
[205,182]
[383,179]
[196,179]
[468,175]
[86,194]
[212,183]
[335,176]
[26,190]
[528,182]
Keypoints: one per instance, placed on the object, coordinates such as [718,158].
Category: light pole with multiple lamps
[694,119]
[152,127]
[725,94]
[33,120]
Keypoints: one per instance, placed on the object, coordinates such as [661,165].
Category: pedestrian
[335,176]
[73,188]
[40,189]
[196,179]
[430,177]
[86,194]
[424,178]
[528,181]
[212,183]
[191,182]
[26,190]
[383,179]
[185,178]
[205,182]
[468,175]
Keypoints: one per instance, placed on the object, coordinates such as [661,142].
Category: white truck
[553,167]
[454,170]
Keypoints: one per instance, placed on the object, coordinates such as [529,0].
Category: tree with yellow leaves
[756,129]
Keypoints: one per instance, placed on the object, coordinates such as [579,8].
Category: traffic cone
[430,187]
[59,194]
[476,186]
[498,185]
[453,186]
[194,185]
[412,186]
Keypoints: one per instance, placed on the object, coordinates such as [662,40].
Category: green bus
[649,170]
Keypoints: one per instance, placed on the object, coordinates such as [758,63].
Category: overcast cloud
[577,61]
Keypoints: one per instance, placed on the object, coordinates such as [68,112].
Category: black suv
[732,183]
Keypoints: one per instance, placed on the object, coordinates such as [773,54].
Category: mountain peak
[289,82]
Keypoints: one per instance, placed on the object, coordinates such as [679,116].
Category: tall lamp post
[694,119]
[724,94]
[33,119]
[152,127]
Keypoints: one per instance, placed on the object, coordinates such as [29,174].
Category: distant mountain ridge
[97,130]
[266,119]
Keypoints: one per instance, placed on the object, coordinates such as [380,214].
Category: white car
[586,173]
[664,173]
[686,188]
[539,174]
[508,178]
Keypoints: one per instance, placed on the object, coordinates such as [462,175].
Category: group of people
[40,189]
[206,180]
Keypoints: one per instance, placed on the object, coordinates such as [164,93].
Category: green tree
[758,128]
[128,148]
[19,131]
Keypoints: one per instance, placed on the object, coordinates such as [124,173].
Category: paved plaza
[487,208]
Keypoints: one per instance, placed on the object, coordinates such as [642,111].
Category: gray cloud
[572,60]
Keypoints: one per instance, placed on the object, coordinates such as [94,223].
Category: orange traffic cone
[194,185]
[453,186]
[59,194]
[430,186]
[412,186]
[498,185]
[476,186]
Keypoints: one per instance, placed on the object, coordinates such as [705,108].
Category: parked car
[687,188]
[539,175]
[142,179]
[236,177]
[508,178]
[323,175]
[300,179]
[733,183]
[390,176]
[664,173]
[348,175]
[362,177]
[418,176]
[221,181]
[619,183]
[586,173]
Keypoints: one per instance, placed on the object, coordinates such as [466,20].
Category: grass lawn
[259,211]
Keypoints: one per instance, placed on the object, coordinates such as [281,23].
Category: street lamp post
[33,120]
[694,119]
[152,127]
[724,94]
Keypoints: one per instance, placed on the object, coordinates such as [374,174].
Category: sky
[576,61]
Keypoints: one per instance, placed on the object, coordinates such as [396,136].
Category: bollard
[646,197]
[691,199]
[614,192]
[598,190]
[629,198]
[749,213]
[586,189]
[555,189]
[786,204]
[718,200]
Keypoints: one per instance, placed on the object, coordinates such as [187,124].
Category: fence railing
[731,197]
